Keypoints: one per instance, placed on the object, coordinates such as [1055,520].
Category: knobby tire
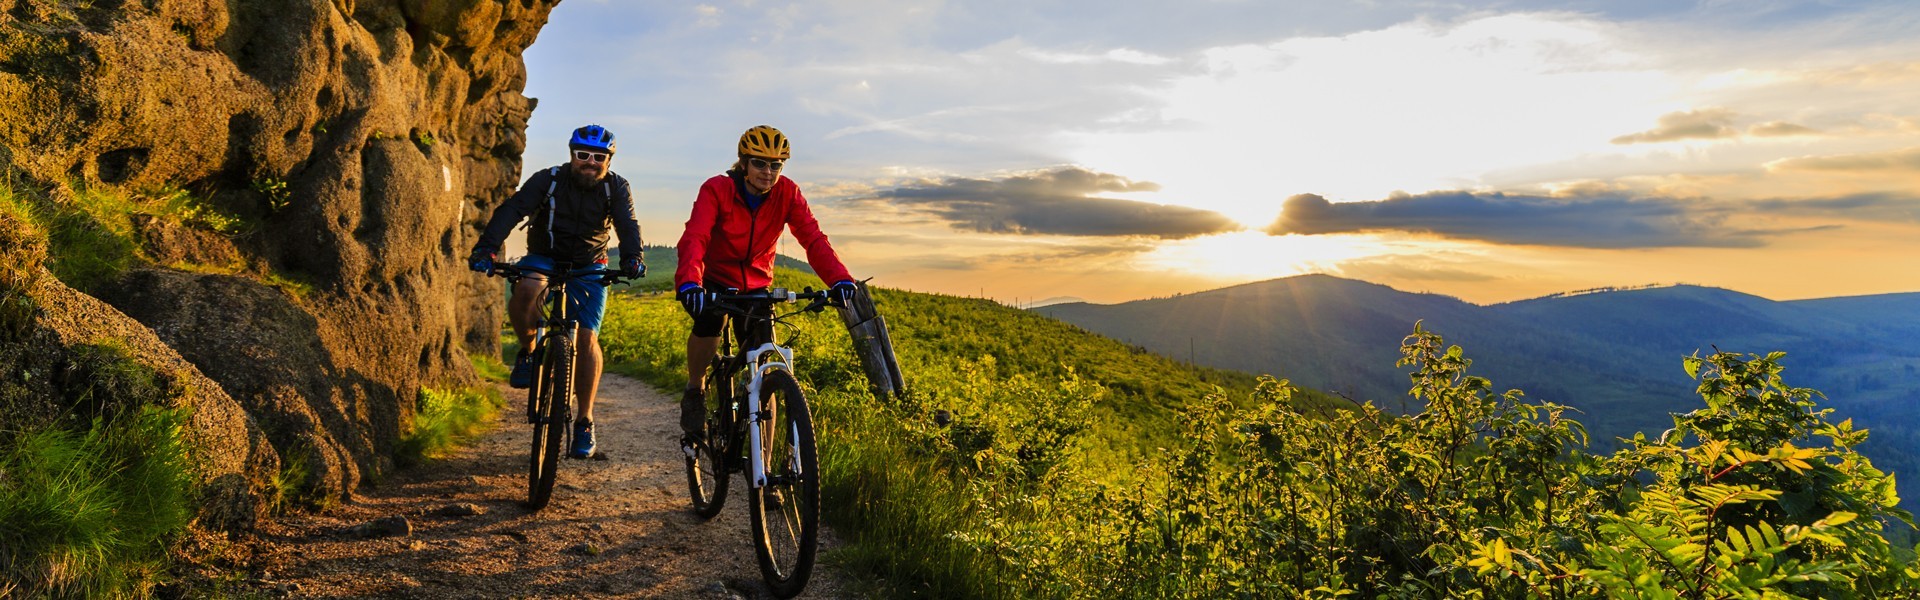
[707,460]
[786,512]
[549,430]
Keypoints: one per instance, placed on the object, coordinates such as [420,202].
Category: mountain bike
[758,424]
[550,398]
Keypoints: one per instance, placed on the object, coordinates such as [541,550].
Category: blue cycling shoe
[582,439]
[522,376]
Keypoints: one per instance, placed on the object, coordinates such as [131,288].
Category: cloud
[1883,207]
[1705,124]
[1607,221]
[706,16]
[1436,267]
[1060,201]
[1119,55]
[1780,129]
[1898,161]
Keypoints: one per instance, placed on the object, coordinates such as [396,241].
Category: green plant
[274,190]
[91,238]
[1023,423]
[90,235]
[23,250]
[444,419]
[178,205]
[1745,507]
[91,513]
[292,285]
[289,482]
[487,367]
[1075,467]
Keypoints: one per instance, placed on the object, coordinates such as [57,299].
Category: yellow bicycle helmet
[765,142]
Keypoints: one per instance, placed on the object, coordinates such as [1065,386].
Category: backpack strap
[553,183]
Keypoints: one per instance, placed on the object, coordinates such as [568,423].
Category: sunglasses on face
[592,157]
[769,165]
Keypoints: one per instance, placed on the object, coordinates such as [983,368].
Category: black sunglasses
[770,165]
[595,157]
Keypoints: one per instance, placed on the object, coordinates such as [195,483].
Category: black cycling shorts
[708,324]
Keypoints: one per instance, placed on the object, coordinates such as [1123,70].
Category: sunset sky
[1111,151]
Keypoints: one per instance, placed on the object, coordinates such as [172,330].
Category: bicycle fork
[757,465]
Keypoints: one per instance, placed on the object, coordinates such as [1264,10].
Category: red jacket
[729,245]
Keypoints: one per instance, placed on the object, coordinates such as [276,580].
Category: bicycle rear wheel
[786,511]
[707,456]
[555,380]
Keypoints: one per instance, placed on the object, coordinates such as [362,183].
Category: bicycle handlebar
[775,295]
[819,299]
[515,272]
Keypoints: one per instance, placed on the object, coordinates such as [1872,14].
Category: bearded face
[588,166]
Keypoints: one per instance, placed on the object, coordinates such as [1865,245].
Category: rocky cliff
[361,143]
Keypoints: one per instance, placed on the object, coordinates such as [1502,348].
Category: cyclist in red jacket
[729,244]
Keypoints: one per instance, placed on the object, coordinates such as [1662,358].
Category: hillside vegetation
[1079,467]
[1612,355]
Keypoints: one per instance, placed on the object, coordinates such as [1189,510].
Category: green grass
[289,482]
[22,249]
[491,368]
[88,508]
[1032,398]
[91,513]
[91,235]
[92,239]
[446,419]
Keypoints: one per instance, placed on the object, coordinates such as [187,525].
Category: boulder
[235,462]
[363,142]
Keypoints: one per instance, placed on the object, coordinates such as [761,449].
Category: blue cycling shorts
[586,297]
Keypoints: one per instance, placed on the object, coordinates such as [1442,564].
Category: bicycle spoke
[785,511]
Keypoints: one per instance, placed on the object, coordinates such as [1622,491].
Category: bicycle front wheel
[707,455]
[786,511]
[555,379]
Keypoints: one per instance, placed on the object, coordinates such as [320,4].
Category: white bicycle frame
[757,474]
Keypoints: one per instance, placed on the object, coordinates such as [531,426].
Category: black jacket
[571,223]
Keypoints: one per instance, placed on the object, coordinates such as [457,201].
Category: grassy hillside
[947,346]
[1032,398]
[1614,355]
[1080,467]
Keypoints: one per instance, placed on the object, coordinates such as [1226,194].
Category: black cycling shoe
[522,376]
[693,413]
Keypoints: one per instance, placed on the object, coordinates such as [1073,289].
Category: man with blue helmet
[572,206]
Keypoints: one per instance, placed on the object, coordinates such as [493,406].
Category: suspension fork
[757,464]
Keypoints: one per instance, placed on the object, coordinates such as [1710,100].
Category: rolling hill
[1613,355]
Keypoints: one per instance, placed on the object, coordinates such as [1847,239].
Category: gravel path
[617,528]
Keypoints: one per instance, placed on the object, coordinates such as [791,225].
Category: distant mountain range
[1614,355]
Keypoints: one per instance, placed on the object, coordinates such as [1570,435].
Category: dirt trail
[618,528]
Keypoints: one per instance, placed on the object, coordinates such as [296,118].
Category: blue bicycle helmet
[594,137]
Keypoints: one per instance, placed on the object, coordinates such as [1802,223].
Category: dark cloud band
[1060,201]
[1582,222]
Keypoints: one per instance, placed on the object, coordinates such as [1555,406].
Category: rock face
[363,141]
